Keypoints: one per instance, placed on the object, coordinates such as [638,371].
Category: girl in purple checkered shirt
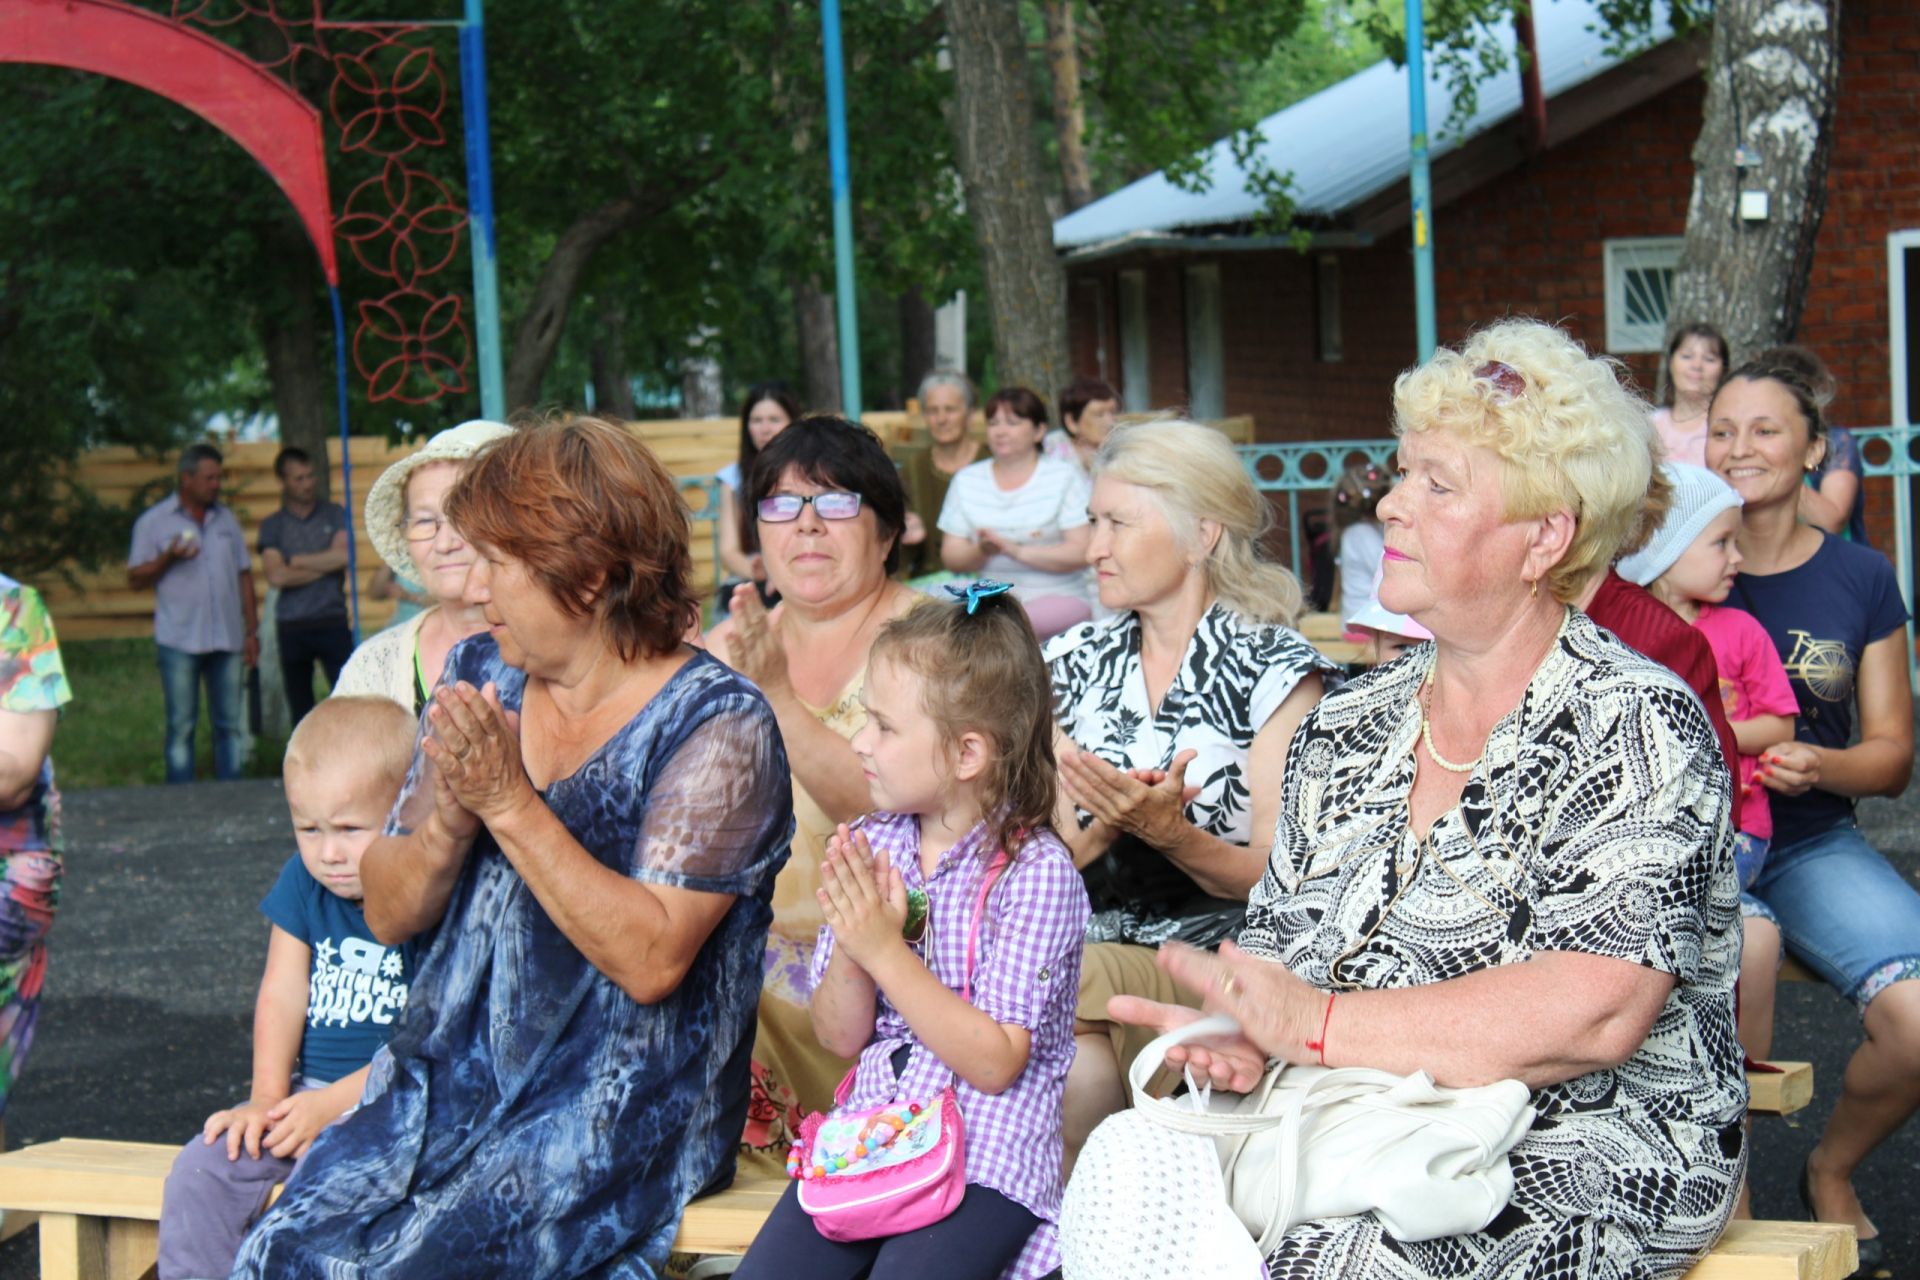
[958,755]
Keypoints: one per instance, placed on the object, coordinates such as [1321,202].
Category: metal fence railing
[1294,469]
[1314,466]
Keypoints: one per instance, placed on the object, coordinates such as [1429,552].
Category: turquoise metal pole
[842,211]
[486,275]
[1421,190]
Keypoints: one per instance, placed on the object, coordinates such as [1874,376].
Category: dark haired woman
[1087,409]
[1696,360]
[587,845]
[829,510]
[1835,614]
[1832,498]
[1021,518]
[768,410]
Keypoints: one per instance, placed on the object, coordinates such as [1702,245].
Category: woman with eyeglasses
[829,511]
[409,529]
[1507,855]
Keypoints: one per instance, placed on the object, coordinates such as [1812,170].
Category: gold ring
[1228,985]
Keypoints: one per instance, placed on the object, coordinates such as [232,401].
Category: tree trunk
[290,307]
[612,383]
[1772,77]
[916,343]
[813,316]
[1069,110]
[539,330]
[701,389]
[992,119]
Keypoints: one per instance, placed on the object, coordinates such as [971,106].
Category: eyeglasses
[423,528]
[784,507]
[1503,377]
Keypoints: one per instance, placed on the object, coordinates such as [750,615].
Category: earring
[1533,589]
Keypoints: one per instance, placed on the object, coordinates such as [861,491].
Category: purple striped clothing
[1026,973]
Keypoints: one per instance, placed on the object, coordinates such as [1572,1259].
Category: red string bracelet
[1320,1046]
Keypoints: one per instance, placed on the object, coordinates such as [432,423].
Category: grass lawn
[113,731]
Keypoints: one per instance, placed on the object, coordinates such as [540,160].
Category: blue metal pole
[346,451]
[1421,189]
[842,211]
[486,276]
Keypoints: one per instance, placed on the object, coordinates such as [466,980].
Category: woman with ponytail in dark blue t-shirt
[1834,611]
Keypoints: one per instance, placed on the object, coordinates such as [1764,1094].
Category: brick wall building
[1308,343]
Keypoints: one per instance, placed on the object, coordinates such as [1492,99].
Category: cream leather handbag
[1308,1143]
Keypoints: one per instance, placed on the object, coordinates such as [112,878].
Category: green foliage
[1330,44]
[1465,37]
[724,103]
[113,733]
[113,328]
[1166,79]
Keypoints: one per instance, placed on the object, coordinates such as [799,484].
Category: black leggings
[974,1242]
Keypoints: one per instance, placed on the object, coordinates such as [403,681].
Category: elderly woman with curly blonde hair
[1507,854]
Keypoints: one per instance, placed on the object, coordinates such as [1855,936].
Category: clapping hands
[864,899]
[474,745]
[1149,804]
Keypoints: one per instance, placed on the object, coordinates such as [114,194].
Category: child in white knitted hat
[1691,565]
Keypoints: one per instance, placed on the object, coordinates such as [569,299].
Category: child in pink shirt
[1690,565]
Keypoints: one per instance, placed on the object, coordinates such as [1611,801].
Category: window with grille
[1639,292]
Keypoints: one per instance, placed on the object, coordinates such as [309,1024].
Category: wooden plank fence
[690,448]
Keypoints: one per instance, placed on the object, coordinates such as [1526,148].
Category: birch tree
[1772,78]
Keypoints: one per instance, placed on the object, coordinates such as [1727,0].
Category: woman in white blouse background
[1020,517]
[1175,716]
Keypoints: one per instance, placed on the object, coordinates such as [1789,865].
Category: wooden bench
[1781,1092]
[1324,631]
[1792,970]
[1781,1251]
[99,1207]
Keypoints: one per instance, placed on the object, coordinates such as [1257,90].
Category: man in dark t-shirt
[303,547]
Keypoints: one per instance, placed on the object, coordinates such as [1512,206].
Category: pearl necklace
[1426,735]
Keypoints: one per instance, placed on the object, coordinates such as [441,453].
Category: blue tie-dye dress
[529,1119]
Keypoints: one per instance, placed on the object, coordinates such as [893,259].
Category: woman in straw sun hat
[411,533]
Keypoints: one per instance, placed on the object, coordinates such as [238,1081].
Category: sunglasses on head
[1508,381]
[784,507]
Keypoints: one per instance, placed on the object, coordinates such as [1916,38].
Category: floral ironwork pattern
[386,99]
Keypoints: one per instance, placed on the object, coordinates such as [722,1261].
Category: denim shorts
[1844,910]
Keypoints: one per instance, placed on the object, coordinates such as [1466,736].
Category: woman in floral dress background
[33,688]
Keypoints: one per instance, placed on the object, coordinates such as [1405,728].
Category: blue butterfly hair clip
[974,592]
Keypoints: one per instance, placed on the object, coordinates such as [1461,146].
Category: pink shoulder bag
[887,1170]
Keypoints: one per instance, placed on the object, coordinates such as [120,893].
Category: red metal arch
[277,127]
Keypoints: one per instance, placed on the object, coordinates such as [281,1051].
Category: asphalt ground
[156,955]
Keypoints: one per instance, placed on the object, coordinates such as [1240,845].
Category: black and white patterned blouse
[1597,823]
[1232,678]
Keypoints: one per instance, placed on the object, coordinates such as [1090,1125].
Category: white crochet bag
[1307,1143]
[1146,1201]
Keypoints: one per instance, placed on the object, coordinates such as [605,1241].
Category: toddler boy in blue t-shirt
[328,998]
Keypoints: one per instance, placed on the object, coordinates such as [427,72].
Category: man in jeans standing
[189,549]
[303,548]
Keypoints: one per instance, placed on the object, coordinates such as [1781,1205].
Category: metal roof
[1349,141]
